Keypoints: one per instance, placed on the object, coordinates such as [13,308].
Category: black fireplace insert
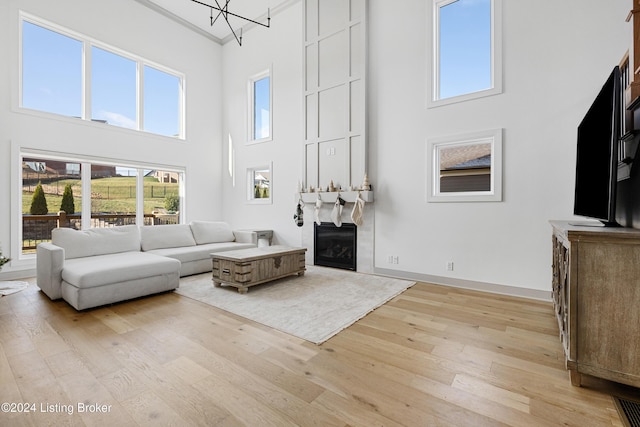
[335,246]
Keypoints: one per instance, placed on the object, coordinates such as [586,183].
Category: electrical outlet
[390,259]
[450,266]
[396,260]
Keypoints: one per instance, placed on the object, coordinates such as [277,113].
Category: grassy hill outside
[113,194]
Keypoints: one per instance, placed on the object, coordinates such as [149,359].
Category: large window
[466,50]
[260,119]
[124,90]
[58,191]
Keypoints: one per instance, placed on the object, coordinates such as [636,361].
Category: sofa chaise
[99,266]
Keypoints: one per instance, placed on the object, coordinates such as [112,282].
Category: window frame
[62,32]
[88,44]
[433,85]
[251,199]
[251,106]
[434,145]
[20,152]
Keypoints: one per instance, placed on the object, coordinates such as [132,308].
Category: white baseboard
[513,291]
[17,274]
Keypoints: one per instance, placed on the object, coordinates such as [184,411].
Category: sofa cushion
[96,241]
[166,236]
[93,271]
[200,252]
[211,232]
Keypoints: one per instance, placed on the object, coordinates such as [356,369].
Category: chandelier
[224,12]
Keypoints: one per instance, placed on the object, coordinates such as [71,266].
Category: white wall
[556,57]
[134,28]
[279,47]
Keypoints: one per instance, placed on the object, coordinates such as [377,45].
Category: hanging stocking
[336,214]
[298,217]
[356,213]
[316,211]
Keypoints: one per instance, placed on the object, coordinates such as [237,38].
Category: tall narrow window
[113,89]
[51,71]
[162,105]
[260,107]
[466,50]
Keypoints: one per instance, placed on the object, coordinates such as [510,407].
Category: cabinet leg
[217,284]
[576,378]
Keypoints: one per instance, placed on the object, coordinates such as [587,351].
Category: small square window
[465,168]
[259,184]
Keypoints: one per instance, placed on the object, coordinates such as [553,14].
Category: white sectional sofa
[101,266]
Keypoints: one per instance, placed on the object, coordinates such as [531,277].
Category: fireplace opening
[335,246]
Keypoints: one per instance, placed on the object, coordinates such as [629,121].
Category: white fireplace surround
[364,249]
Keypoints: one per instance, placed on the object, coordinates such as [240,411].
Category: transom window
[466,50]
[124,90]
[113,88]
[51,71]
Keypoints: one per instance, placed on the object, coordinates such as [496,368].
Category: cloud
[118,119]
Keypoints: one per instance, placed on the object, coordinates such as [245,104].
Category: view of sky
[52,81]
[51,71]
[261,108]
[465,47]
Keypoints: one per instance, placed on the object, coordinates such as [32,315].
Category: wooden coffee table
[248,267]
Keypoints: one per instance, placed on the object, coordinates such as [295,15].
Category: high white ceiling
[197,14]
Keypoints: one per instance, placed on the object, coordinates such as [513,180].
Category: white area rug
[11,287]
[313,307]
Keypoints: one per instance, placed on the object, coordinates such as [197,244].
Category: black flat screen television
[597,155]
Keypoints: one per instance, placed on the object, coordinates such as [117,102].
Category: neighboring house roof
[452,157]
[479,163]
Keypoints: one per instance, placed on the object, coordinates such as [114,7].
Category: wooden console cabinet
[596,295]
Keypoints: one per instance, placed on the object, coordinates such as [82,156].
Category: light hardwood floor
[433,356]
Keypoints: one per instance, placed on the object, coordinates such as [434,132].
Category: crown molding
[164,12]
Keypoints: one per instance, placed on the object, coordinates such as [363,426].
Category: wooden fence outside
[37,228]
